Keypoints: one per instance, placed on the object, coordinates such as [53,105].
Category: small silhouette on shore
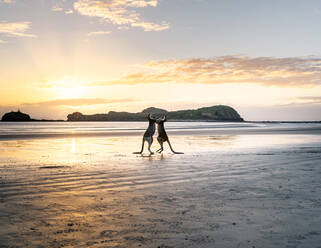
[162,135]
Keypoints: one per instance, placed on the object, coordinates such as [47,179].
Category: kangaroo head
[161,120]
[151,119]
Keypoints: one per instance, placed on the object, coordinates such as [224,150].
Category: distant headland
[214,113]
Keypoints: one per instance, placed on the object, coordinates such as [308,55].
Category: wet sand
[227,190]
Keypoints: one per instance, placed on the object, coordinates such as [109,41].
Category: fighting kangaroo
[162,135]
[148,135]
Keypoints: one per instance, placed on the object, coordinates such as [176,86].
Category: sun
[70,92]
[68,88]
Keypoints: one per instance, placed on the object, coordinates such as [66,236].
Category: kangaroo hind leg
[150,142]
[160,141]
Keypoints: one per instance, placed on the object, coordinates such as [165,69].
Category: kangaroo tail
[141,151]
[170,146]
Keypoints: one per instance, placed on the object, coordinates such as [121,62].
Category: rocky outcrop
[214,113]
[15,116]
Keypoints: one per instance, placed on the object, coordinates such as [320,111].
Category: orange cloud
[296,71]
[120,12]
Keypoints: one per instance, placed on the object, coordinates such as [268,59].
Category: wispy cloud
[18,29]
[3,41]
[95,33]
[77,102]
[295,71]
[305,100]
[120,12]
[6,1]
[58,8]
[69,11]
[149,26]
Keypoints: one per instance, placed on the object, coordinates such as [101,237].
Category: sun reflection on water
[73,145]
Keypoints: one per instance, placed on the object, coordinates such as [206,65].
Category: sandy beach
[258,189]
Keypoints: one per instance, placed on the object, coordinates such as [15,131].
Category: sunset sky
[261,57]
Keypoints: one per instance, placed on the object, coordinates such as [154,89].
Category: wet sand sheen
[226,191]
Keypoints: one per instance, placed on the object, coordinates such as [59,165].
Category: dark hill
[15,116]
[214,113]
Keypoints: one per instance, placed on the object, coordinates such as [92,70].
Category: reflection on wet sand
[225,191]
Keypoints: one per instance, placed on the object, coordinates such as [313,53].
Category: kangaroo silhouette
[162,135]
[148,135]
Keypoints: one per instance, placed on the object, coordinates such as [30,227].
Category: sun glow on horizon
[67,88]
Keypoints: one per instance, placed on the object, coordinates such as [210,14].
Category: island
[18,116]
[214,113]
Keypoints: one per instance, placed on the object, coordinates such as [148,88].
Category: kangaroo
[162,135]
[148,135]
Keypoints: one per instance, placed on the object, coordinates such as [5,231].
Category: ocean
[20,130]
